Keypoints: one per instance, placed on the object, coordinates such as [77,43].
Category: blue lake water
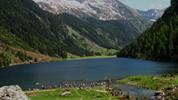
[90,69]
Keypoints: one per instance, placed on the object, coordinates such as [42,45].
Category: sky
[147,4]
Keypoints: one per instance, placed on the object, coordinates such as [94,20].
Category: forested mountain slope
[160,42]
[57,35]
[12,52]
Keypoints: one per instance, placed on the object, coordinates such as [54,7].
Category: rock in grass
[65,93]
[12,92]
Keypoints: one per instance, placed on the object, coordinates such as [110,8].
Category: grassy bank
[75,94]
[151,82]
[82,58]
[10,56]
[42,58]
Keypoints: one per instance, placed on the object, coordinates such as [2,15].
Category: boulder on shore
[12,92]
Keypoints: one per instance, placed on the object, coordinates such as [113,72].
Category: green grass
[151,82]
[76,94]
[82,58]
[90,57]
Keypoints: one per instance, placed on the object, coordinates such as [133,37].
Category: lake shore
[94,93]
[151,82]
[81,58]
[52,59]
[166,85]
[99,91]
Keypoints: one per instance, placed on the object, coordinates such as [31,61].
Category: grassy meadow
[151,82]
[76,94]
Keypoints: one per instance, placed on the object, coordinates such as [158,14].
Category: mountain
[26,28]
[56,35]
[100,9]
[152,14]
[110,16]
[160,42]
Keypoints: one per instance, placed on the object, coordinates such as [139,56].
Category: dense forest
[160,42]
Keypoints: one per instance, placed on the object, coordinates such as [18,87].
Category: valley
[24,25]
[66,49]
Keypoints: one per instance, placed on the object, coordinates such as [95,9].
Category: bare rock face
[13,92]
[100,9]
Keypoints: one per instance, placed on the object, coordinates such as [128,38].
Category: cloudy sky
[147,4]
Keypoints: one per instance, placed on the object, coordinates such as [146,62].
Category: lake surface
[90,69]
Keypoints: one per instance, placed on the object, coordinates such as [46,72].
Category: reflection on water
[92,69]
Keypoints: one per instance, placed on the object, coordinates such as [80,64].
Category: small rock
[159,95]
[65,93]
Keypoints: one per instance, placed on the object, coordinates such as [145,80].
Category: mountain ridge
[24,25]
[39,29]
[99,9]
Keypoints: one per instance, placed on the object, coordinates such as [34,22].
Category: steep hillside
[41,31]
[12,52]
[12,56]
[58,35]
[160,42]
[116,23]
